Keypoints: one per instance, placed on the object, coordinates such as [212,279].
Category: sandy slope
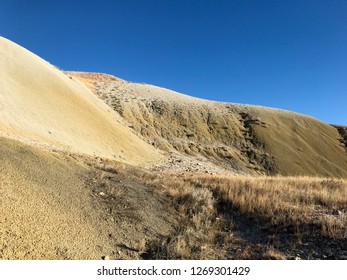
[40,103]
[243,138]
[46,211]
[302,145]
[51,208]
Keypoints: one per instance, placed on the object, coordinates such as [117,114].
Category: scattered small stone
[102,194]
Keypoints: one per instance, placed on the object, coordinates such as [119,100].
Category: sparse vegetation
[286,201]
[286,215]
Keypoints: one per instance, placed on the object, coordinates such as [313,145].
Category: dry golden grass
[295,207]
[273,254]
[285,201]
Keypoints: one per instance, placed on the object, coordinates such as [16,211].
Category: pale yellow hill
[302,145]
[243,138]
[42,105]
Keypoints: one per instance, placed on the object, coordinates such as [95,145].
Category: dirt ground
[55,207]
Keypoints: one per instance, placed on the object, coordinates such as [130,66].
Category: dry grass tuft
[198,235]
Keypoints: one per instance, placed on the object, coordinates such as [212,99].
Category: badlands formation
[84,157]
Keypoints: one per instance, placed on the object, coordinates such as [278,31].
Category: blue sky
[285,54]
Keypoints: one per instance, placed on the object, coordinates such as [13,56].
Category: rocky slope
[239,138]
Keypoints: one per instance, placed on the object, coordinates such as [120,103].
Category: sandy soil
[56,207]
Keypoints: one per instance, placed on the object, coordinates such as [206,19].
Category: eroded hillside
[243,138]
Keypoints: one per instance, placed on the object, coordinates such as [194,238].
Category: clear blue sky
[289,54]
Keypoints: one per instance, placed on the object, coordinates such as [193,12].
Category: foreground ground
[58,206]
